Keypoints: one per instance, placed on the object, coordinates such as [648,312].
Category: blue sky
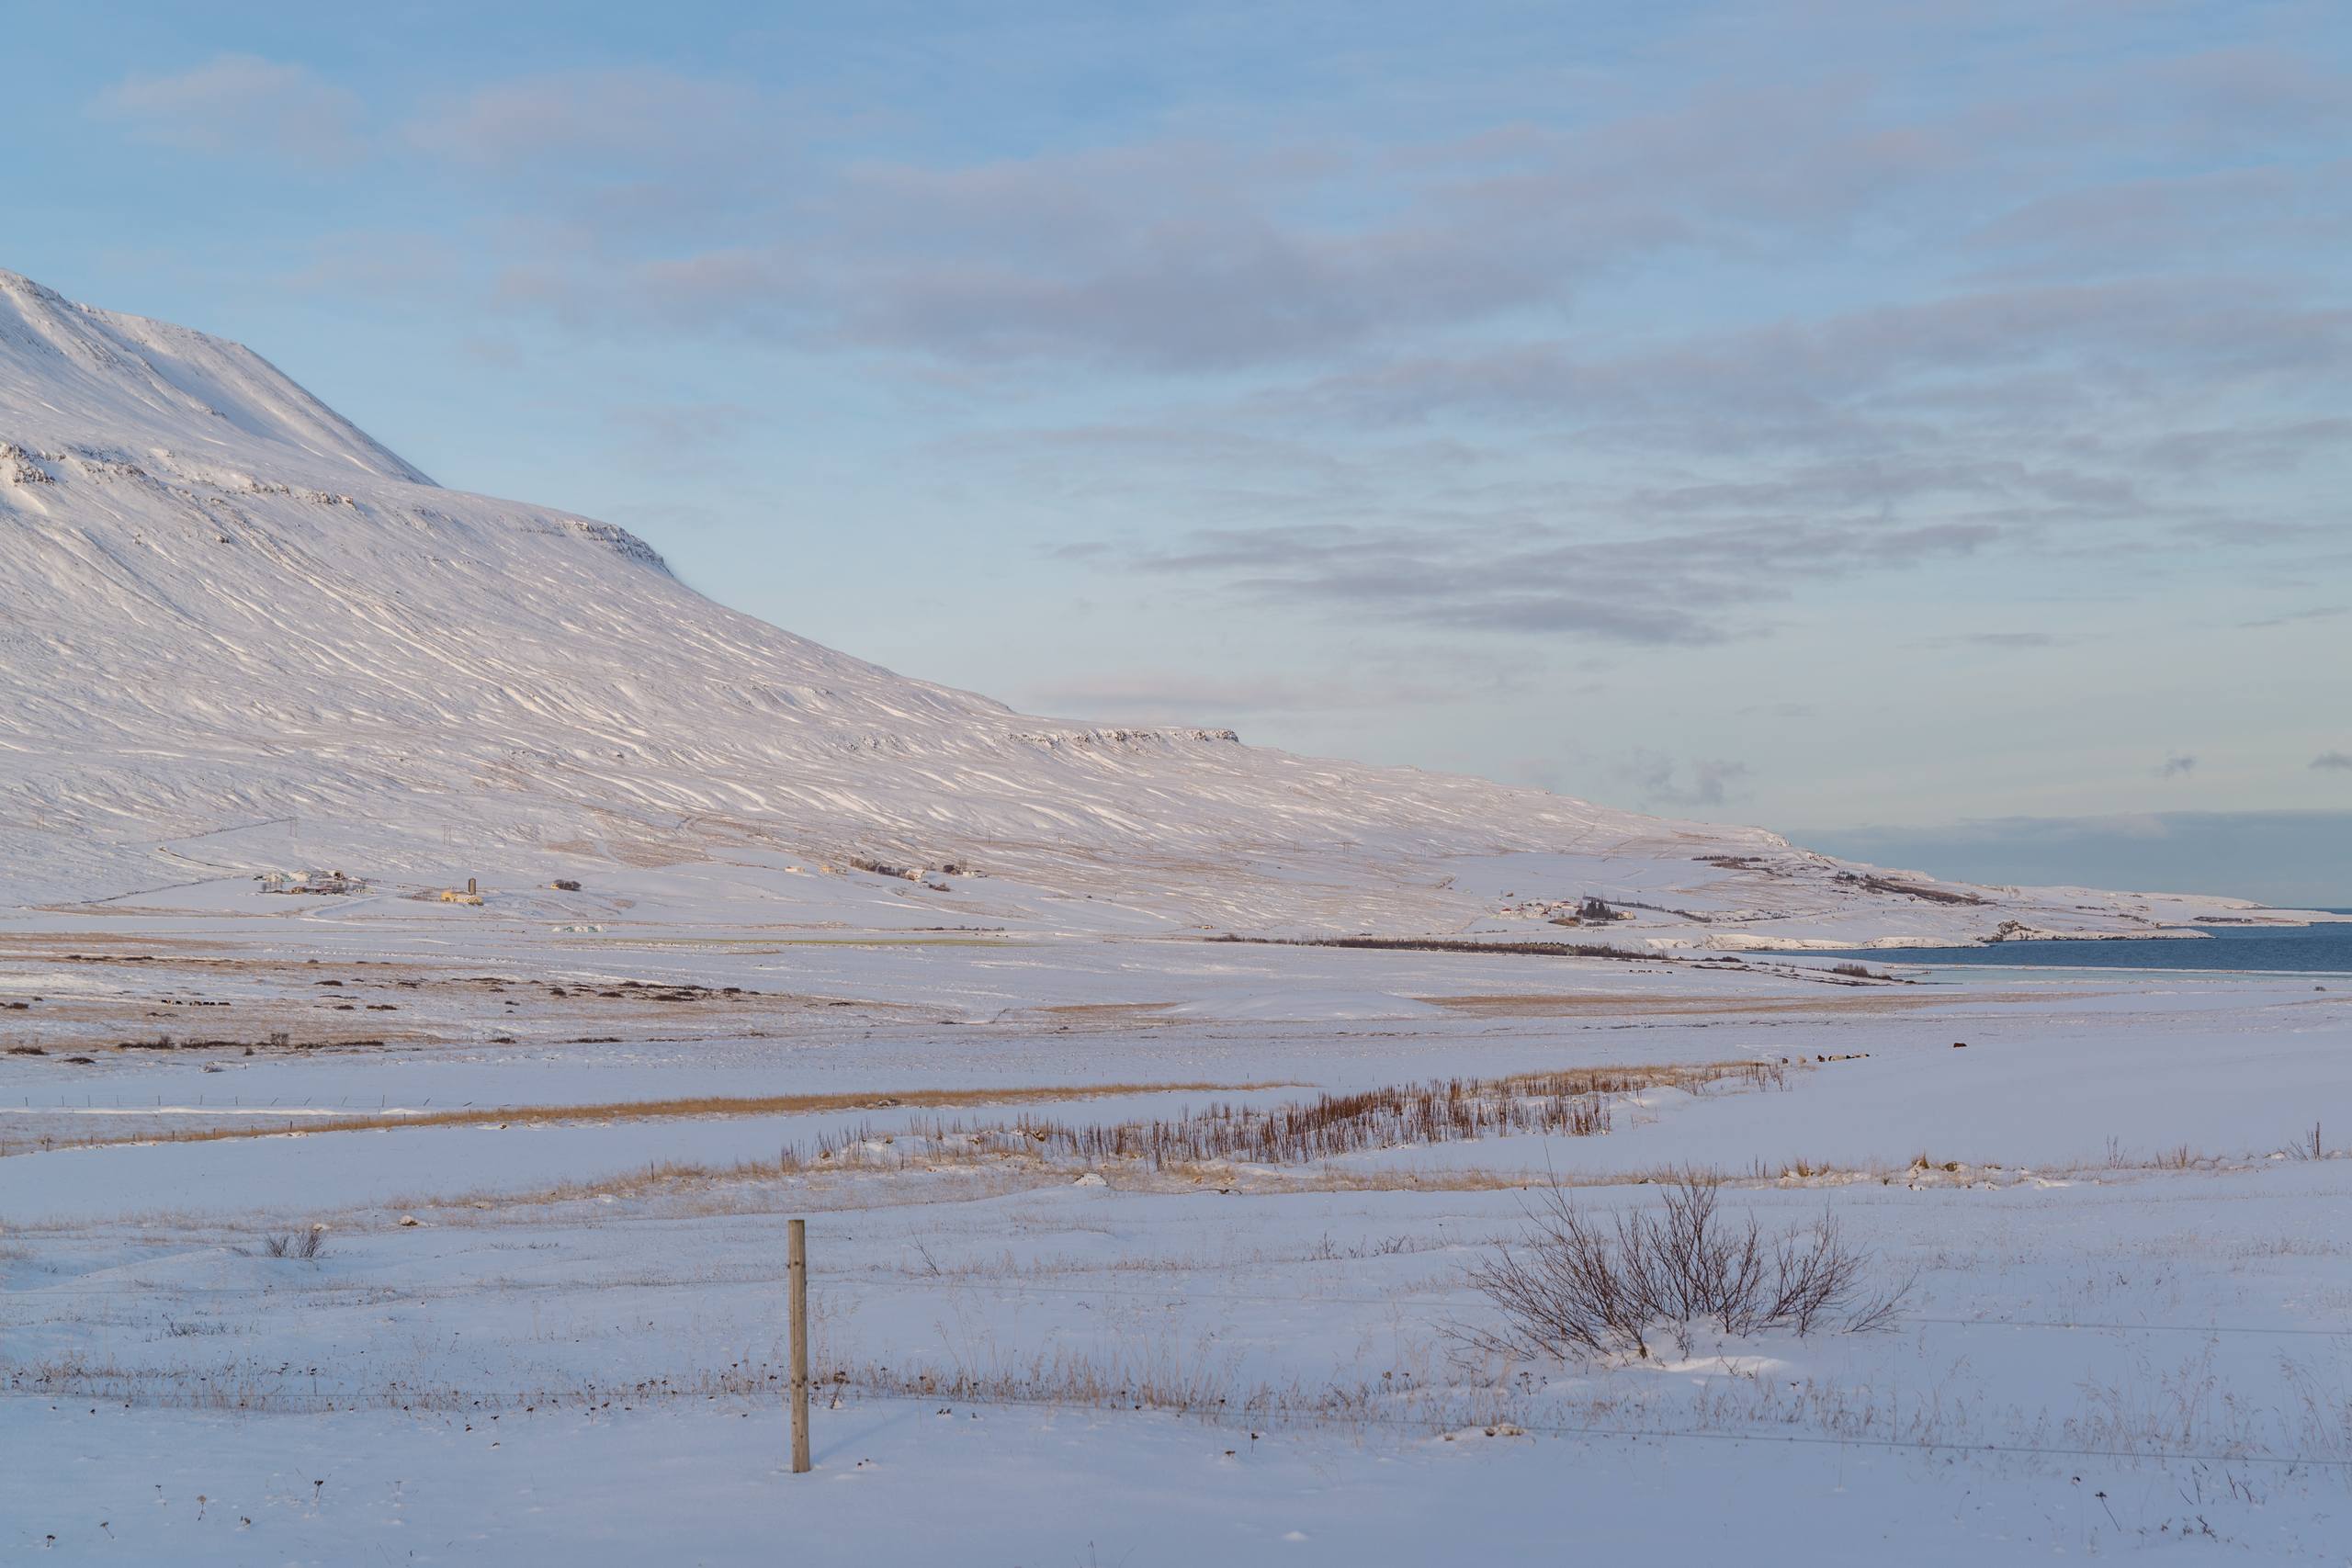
[1816,413]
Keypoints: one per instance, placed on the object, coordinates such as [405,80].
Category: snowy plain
[2126,1329]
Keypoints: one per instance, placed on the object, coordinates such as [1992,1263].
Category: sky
[1882,423]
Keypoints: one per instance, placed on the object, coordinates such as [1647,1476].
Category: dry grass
[650,1109]
[1452,944]
[1601,1004]
[1279,1148]
[1574,1103]
[2158,1414]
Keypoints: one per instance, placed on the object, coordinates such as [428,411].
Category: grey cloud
[239,103]
[1161,697]
[1376,674]
[2201,324]
[680,438]
[2226,104]
[2175,766]
[2202,216]
[2296,617]
[746,291]
[2015,640]
[499,353]
[2256,447]
[1762,459]
[1192,255]
[1364,398]
[1660,780]
[688,426]
[664,514]
[1180,256]
[2333,762]
[616,120]
[380,264]
[1690,586]
[2249,92]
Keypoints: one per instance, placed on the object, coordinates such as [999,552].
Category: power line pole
[799,1273]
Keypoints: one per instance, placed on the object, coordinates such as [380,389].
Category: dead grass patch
[1614,1003]
[1277,1148]
[1573,1103]
[698,1105]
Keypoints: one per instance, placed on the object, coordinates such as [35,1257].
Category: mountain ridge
[229,610]
[185,376]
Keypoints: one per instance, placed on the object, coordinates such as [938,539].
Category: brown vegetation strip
[704,1105]
[1207,1143]
[1571,1103]
[1453,944]
[1604,1004]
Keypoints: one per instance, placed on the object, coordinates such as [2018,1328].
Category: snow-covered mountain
[239,635]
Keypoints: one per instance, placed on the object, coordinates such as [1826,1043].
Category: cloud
[2099,330]
[1186,254]
[1197,255]
[1659,779]
[2205,217]
[1688,586]
[497,352]
[1168,696]
[239,103]
[685,515]
[2333,762]
[1379,677]
[751,293]
[682,438]
[2175,766]
[380,264]
[2295,618]
[596,123]
[2010,640]
[1415,369]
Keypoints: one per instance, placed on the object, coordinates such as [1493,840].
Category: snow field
[2170,1330]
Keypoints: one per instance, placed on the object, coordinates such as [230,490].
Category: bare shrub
[307,1245]
[1578,1288]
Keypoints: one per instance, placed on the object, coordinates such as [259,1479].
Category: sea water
[2317,950]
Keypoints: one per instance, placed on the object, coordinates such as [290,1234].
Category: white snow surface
[2124,1335]
[242,636]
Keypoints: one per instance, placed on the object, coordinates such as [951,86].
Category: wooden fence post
[798,1271]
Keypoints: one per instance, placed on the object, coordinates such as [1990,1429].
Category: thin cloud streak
[238,103]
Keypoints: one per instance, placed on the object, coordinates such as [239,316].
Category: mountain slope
[239,635]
